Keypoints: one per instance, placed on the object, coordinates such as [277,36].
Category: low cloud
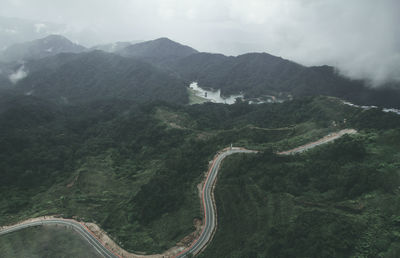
[40,27]
[18,75]
[360,37]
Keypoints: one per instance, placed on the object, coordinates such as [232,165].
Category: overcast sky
[361,37]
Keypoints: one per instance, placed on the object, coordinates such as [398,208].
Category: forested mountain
[110,139]
[134,169]
[159,51]
[40,48]
[257,74]
[72,78]
[254,74]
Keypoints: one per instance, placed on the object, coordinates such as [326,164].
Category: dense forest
[338,200]
[110,138]
[259,74]
[161,69]
[79,78]
[133,168]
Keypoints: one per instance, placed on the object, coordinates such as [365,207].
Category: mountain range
[105,135]
[56,68]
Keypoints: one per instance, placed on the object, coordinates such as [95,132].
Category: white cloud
[362,37]
[18,75]
[40,27]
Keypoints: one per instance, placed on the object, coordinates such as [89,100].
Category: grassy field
[45,241]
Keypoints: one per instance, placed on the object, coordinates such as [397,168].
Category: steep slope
[159,51]
[40,48]
[73,78]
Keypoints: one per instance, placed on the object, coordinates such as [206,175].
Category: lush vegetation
[105,138]
[258,74]
[133,168]
[337,200]
[82,78]
[166,67]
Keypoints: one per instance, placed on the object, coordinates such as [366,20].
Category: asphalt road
[209,211]
[208,203]
[82,230]
[195,248]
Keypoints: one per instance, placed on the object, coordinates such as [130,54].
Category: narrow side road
[326,139]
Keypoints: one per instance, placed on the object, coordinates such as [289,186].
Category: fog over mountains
[59,70]
[360,37]
[14,30]
[40,48]
[119,113]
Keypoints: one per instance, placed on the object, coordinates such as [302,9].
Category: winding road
[208,203]
[78,227]
[209,225]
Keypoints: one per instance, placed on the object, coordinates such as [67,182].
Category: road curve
[197,245]
[208,203]
[207,200]
[78,227]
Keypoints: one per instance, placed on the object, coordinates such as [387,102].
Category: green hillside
[133,168]
[338,200]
